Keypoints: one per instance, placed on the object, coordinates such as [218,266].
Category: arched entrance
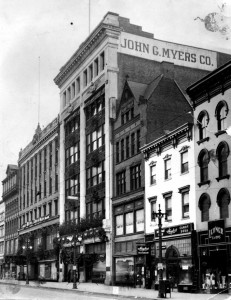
[172,265]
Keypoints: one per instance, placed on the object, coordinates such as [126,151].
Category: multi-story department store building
[100,135]
[38,217]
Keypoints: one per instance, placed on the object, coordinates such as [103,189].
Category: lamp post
[27,248]
[75,240]
[159,215]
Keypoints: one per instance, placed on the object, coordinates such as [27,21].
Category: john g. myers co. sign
[165,51]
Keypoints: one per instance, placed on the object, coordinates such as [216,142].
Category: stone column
[111,85]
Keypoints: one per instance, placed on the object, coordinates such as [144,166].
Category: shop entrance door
[172,265]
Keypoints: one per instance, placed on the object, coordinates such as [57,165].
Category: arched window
[203,120]
[222,156]
[221,114]
[203,161]
[204,205]
[223,200]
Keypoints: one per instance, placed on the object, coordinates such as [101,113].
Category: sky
[37,37]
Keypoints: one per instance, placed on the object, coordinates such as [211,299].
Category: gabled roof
[137,89]
[152,86]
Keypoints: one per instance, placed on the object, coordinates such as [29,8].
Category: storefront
[214,257]
[95,262]
[47,270]
[129,264]
[178,256]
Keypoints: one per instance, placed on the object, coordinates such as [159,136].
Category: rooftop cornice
[217,82]
[39,144]
[79,56]
[176,133]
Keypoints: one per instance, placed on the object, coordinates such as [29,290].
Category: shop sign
[175,230]
[166,51]
[216,231]
[143,249]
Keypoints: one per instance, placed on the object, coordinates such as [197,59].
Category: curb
[77,290]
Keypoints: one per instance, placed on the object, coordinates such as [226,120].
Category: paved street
[13,289]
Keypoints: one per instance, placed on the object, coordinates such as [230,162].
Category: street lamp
[159,215]
[75,240]
[27,248]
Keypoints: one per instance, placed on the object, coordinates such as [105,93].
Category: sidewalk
[102,289]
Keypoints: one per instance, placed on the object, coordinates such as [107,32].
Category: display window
[124,268]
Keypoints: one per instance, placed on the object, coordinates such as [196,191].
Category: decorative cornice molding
[100,33]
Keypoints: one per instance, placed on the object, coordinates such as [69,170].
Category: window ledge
[203,140]
[220,132]
[183,173]
[222,177]
[204,183]
[166,179]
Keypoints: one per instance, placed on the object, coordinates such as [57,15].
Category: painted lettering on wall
[165,51]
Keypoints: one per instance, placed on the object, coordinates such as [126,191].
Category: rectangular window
[153,174]
[56,151]
[167,169]
[117,152]
[90,71]
[135,177]
[153,207]
[45,159]
[95,139]
[45,188]
[44,210]
[73,90]
[72,154]
[127,146]
[35,213]
[95,175]
[129,223]
[85,78]
[184,162]
[50,209]
[56,182]
[138,141]
[185,205]
[50,185]
[132,144]
[56,207]
[72,185]
[119,224]
[168,206]
[122,149]
[68,94]
[139,220]
[96,67]
[40,163]
[39,212]
[121,183]
[64,99]
[78,85]
[102,61]
[50,156]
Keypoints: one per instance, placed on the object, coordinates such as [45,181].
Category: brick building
[115,92]
[9,215]
[39,202]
